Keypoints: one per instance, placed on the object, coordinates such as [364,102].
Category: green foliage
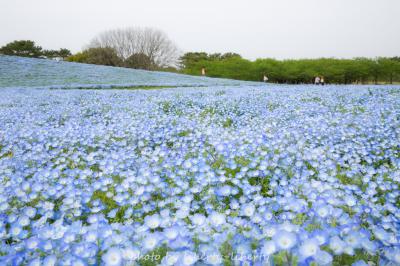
[226,252]
[184,133]
[312,227]
[300,219]
[284,258]
[346,71]
[166,107]
[24,48]
[241,160]
[140,61]
[63,53]
[346,259]
[227,123]
[8,154]
[80,57]
[218,163]
[233,68]
[27,48]
[191,59]
[5,154]
[97,56]
[102,196]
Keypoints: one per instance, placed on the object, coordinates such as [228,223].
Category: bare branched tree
[153,43]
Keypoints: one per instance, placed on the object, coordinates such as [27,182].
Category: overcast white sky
[253,28]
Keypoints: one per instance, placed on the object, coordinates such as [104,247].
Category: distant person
[265,78]
[317,80]
[203,71]
[322,81]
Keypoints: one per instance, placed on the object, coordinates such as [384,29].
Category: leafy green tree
[64,53]
[389,68]
[81,57]
[230,55]
[98,56]
[49,53]
[190,60]
[24,48]
[140,61]
[103,56]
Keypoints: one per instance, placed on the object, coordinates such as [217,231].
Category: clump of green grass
[358,109]
[228,123]
[166,107]
[271,106]
[208,111]
[226,251]
[346,259]
[263,182]
[312,227]
[313,99]
[300,219]
[109,203]
[220,93]
[7,154]
[184,133]
[284,258]
[218,163]
[241,160]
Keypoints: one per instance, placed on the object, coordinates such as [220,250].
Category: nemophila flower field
[265,175]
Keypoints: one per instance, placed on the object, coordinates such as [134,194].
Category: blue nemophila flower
[309,248]
[188,258]
[32,243]
[130,253]
[354,239]
[171,233]
[151,241]
[216,219]
[30,212]
[50,260]
[248,210]
[268,248]
[198,219]
[323,258]
[359,263]
[15,230]
[152,221]
[285,240]
[224,191]
[112,257]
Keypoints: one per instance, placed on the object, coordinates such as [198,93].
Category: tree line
[340,71]
[151,49]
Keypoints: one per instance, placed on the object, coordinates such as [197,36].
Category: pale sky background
[252,28]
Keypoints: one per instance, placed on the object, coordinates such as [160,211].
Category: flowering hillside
[31,72]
